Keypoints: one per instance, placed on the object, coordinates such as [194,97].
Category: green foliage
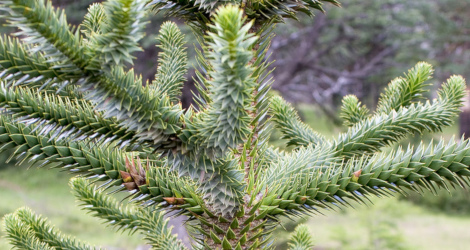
[381,234]
[301,238]
[286,119]
[225,122]
[210,162]
[20,67]
[47,28]
[455,202]
[19,235]
[172,62]
[65,115]
[403,91]
[148,221]
[380,175]
[39,233]
[94,20]
[118,36]
[198,12]
[383,129]
[129,96]
[352,112]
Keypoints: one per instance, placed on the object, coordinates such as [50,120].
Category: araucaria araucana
[70,100]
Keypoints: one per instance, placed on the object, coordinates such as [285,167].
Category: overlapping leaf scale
[221,181]
[210,5]
[287,165]
[297,133]
[162,183]
[279,183]
[272,155]
[148,221]
[225,123]
[383,174]
[383,129]
[403,91]
[93,21]
[278,9]
[17,63]
[224,188]
[198,11]
[172,62]
[189,10]
[20,236]
[352,110]
[250,233]
[116,92]
[46,31]
[301,238]
[103,163]
[140,109]
[20,67]
[260,127]
[120,33]
[70,118]
[45,232]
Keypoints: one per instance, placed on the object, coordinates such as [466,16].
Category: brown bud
[139,180]
[139,166]
[131,166]
[126,177]
[174,200]
[130,185]
[356,175]
[170,200]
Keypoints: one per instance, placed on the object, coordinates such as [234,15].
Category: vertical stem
[254,29]
[243,230]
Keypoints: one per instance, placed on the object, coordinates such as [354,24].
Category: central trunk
[244,231]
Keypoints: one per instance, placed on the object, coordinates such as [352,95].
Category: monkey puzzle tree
[69,101]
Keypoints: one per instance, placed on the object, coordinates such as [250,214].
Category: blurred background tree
[342,52]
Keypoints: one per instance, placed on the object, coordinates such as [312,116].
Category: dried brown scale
[135,176]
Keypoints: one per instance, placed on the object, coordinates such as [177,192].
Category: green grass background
[47,193]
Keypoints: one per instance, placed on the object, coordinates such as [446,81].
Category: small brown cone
[126,177]
[130,185]
[356,175]
[174,200]
[133,178]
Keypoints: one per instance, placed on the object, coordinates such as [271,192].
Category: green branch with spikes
[150,222]
[40,234]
